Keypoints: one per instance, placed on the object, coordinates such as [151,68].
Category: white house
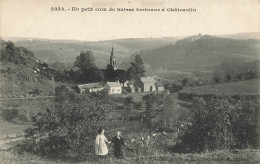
[90,88]
[113,87]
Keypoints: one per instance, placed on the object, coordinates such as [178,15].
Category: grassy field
[32,104]
[8,128]
[219,157]
[248,87]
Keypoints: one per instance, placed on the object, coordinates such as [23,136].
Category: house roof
[113,84]
[90,85]
[159,84]
[148,79]
[131,86]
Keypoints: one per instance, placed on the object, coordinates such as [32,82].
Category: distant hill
[244,36]
[50,51]
[178,55]
[202,53]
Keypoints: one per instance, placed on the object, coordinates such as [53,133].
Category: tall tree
[129,103]
[151,102]
[140,70]
[88,71]
[136,69]
[85,60]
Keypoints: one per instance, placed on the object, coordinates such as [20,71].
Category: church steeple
[113,59]
[112,52]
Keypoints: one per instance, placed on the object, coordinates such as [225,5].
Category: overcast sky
[34,19]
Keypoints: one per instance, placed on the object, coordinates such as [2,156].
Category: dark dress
[118,147]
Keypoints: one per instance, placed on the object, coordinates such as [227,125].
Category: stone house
[113,87]
[147,84]
[159,86]
[131,89]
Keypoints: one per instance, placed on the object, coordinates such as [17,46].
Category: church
[113,59]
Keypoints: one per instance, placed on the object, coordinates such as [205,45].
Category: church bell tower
[113,59]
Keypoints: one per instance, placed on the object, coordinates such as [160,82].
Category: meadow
[248,156]
[247,87]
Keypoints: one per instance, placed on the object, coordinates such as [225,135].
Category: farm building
[90,88]
[125,84]
[131,89]
[159,86]
[113,87]
[147,84]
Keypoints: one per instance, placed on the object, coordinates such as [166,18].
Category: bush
[221,123]
[68,128]
[10,114]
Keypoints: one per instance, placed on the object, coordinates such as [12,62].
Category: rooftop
[91,85]
[114,84]
[148,79]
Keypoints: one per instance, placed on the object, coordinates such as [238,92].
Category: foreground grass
[218,157]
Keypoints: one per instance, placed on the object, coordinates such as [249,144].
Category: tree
[131,72]
[151,101]
[170,112]
[68,128]
[139,66]
[136,69]
[9,45]
[228,77]
[13,54]
[184,82]
[176,87]
[110,73]
[129,103]
[85,60]
[88,72]
[217,80]
[221,123]
[63,94]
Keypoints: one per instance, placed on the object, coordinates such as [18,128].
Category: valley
[39,93]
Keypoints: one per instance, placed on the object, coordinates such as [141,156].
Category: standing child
[100,144]
[118,145]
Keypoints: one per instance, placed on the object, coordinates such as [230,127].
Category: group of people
[101,148]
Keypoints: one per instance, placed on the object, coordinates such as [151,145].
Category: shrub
[68,128]
[221,123]
[10,114]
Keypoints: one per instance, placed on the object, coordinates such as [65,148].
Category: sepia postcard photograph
[130,81]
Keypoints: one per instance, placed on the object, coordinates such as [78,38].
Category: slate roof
[132,87]
[148,79]
[114,84]
[159,84]
[90,85]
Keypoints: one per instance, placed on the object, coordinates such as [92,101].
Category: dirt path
[21,98]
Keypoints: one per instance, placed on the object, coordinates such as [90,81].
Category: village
[124,82]
[140,84]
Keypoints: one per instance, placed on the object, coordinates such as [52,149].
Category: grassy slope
[248,87]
